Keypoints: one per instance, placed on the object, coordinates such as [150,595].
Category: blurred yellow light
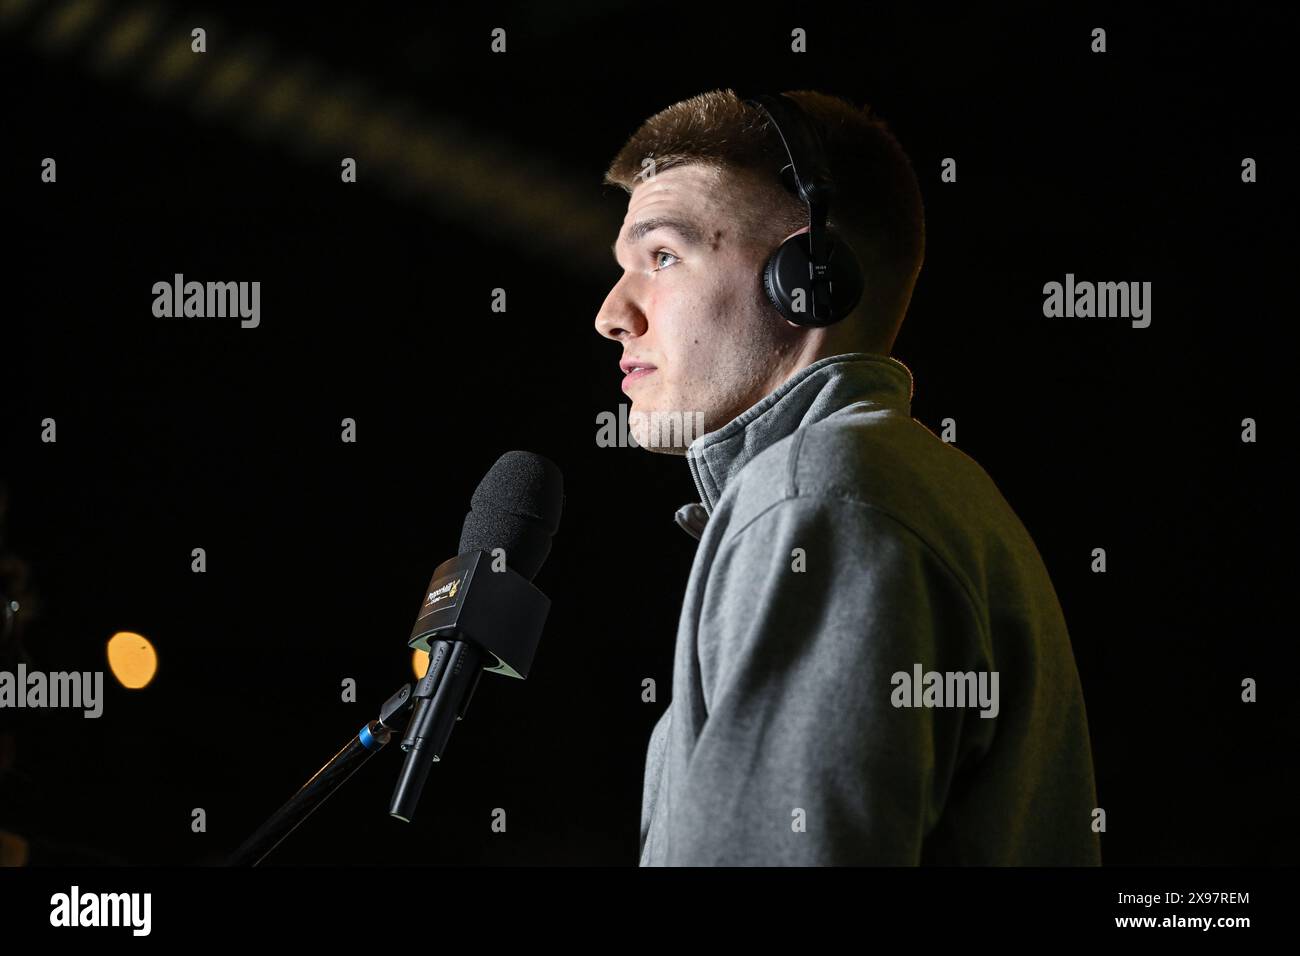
[419,663]
[126,38]
[132,659]
[67,24]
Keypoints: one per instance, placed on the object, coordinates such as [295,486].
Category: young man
[872,666]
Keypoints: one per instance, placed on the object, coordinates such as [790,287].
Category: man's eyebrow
[687,230]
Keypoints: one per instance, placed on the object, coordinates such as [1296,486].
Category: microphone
[481,611]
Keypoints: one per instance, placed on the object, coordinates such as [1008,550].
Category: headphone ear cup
[786,271]
[849,281]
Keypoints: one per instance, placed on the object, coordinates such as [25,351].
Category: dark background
[175,434]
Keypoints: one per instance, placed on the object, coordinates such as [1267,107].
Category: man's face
[690,307]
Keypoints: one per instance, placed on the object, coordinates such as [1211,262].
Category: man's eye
[659,263]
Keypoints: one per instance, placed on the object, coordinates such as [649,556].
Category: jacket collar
[808,396]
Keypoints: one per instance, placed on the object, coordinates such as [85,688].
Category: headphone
[813,279]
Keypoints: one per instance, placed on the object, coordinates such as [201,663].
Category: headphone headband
[825,272]
[802,145]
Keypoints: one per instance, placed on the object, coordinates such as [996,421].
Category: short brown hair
[878,206]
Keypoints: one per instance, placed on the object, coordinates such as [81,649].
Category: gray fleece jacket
[872,666]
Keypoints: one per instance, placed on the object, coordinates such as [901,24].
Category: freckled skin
[702,318]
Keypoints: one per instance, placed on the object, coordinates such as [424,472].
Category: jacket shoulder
[884,459]
[880,457]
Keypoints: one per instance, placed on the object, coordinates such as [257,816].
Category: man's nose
[620,317]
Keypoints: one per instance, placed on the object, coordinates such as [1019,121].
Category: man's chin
[663,449]
[662,443]
[664,432]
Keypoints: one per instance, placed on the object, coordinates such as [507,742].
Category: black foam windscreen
[516,507]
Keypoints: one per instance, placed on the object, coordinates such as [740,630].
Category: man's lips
[634,370]
[631,377]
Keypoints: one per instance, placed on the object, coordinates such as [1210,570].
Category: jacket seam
[792,483]
[974,605]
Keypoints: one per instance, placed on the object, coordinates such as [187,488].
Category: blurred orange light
[132,659]
[419,663]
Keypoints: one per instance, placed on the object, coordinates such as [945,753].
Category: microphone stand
[368,741]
